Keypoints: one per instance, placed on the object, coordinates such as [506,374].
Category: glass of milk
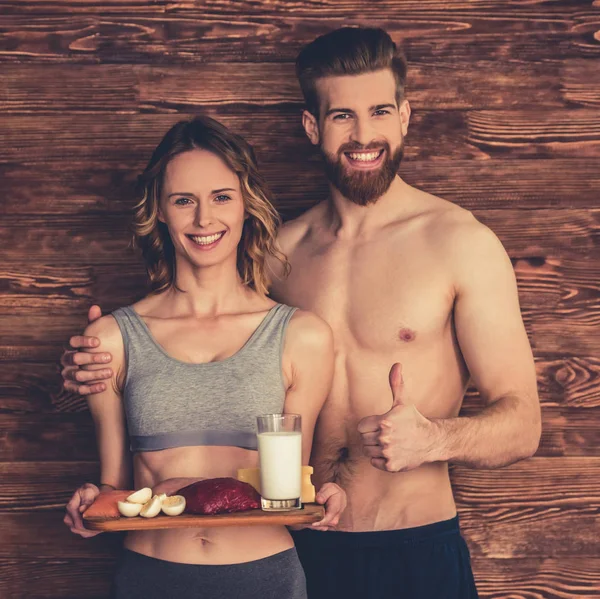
[280,457]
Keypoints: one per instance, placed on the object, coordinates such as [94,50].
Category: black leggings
[278,576]
[426,562]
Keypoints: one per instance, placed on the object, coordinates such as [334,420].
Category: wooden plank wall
[506,99]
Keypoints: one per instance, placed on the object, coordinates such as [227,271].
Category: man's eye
[222,198]
[182,201]
[341,117]
[381,112]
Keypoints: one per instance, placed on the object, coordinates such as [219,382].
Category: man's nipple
[407,334]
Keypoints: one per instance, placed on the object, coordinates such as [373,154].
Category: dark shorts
[278,576]
[426,562]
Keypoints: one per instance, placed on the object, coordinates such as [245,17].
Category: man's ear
[404,113]
[311,127]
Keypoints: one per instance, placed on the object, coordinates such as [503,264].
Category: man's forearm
[505,432]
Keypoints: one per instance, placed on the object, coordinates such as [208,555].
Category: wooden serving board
[103,515]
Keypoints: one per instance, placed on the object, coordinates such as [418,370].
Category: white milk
[280,456]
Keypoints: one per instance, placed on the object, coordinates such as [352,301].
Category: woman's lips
[206,242]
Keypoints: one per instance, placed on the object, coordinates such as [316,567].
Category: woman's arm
[109,419]
[107,408]
[308,371]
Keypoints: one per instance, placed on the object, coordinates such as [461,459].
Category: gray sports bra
[170,403]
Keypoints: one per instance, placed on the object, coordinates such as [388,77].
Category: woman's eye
[222,198]
[182,201]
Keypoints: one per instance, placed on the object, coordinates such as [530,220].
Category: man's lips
[365,159]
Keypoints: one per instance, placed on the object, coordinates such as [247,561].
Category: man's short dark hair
[348,51]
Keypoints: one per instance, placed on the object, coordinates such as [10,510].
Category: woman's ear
[159,214]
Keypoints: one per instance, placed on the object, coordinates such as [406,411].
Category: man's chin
[362,186]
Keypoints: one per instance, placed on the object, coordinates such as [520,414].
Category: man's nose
[362,132]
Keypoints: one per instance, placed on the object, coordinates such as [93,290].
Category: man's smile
[365,159]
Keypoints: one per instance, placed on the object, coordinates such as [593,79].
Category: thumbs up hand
[402,439]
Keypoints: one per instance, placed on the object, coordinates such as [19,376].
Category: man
[421,297]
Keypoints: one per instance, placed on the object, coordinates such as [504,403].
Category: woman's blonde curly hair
[260,228]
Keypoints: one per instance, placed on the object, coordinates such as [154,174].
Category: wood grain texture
[35,387]
[57,239]
[69,435]
[505,123]
[519,511]
[148,88]
[56,578]
[276,131]
[543,578]
[531,578]
[79,187]
[131,33]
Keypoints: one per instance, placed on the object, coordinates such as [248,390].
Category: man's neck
[348,220]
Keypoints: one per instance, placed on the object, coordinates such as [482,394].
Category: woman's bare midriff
[219,545]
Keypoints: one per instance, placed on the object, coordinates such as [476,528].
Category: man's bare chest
[374,300]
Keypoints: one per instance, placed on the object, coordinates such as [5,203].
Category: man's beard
[363,187]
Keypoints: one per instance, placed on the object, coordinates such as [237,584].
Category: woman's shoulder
[107,330]
[309,331]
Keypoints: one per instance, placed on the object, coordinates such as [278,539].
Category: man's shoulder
[451,224]
[293,231]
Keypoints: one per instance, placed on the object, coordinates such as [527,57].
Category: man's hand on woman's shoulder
[75,378]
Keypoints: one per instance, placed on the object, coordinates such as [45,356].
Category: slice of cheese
[252,477]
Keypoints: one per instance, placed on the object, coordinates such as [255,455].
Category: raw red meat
[219,496]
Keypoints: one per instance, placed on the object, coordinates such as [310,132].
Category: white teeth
[206,240]
[362,157]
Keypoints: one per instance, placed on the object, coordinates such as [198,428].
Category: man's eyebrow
[371,109]
[382,106]
[332,110]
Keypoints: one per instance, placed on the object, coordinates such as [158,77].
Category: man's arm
[494,344]
[495,347]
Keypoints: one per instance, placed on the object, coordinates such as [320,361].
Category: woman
[195,361]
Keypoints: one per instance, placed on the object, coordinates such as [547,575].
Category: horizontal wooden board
[56,578]
[541,578]
[221,32]
[43,535]
[96,188]
[526,510]
[562,285]
[276,132]
[549,332]
[69,435]
[25,289]
[35,486]
[36,387]
[447,85]
[523,578]
[57,239]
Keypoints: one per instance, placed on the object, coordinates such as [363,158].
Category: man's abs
[380,500]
